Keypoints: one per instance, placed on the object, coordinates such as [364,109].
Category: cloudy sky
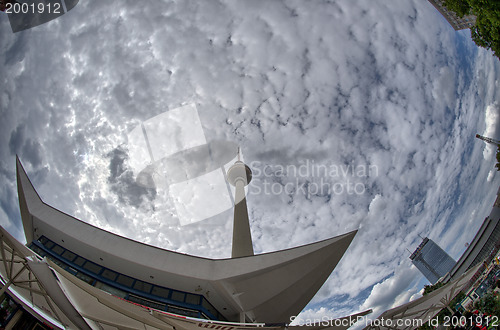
[377,102]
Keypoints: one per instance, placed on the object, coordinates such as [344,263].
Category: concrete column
[13,321]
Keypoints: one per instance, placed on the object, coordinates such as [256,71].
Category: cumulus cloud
[392,291]
[491,118]
[444,92]
[122,181]
[491,175]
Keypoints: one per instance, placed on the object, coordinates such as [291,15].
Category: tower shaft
[242,237]
[240,175]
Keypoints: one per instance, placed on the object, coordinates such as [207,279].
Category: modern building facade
[484,245]
[458,23]
[432,261]
[84,277]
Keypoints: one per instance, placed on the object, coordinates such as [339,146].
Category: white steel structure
[93,267]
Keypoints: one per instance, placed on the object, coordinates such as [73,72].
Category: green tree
[430,288]
[486,32]
[489,304]
[497,165]
[460,7]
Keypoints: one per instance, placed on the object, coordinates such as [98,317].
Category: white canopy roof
[269,287]
[32,284]
[422,310]
[64,301]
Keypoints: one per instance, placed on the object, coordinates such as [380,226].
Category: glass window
[192,299]
[79,261]
[178,296]
[68,255]
[47,243]
[57,249]
[142,286]
[37,250]
[160,292]
[110,289]
[59,263]
[125,280]
[72,270]
[208,306]
[146,302]
[182,311]
[92,267]
[85,278]
[109,274]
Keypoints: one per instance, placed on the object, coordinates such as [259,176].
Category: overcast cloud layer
[383,94]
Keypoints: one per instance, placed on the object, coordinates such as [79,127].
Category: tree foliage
[430,288]
[486,32]
[497,165]
[460,7]
[489,304]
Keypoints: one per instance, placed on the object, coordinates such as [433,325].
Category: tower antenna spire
[494,142]
[488,140]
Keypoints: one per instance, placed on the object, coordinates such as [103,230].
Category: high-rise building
[458,23]
[483,246]
[432,261]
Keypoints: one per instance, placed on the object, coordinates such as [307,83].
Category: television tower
[239,175]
